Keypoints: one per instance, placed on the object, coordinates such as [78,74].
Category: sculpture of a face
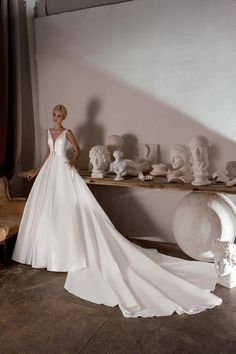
[177,161]
[179,156]
[117,154]
[198,152]
[96,162]
[199,146]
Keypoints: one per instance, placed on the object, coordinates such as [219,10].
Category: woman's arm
[76,147]
[31,175]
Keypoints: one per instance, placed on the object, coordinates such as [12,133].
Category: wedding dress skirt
[63,228]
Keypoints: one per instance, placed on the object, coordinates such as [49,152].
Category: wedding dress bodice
[57,146]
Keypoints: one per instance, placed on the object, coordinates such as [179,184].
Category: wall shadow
[90,132]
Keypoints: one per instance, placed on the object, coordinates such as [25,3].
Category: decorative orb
[113,142]
[201,218]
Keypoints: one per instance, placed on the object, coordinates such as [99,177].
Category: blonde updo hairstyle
[60,108]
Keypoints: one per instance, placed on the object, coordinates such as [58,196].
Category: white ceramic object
[221,176]
[181,166]
[199,146]
[231,169]
[134,168]
[145,178]
[100,160]
[129,167]
[231,183]
[144,152]
[201,218]
[119,166]
[228,175]
[225,262]
[159,169]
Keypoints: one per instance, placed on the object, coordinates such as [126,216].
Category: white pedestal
[229,280]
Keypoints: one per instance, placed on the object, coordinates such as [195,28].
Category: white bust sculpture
[127,166]
[118,166]
[181,165]
[100,160]
[199,146]
[225,262]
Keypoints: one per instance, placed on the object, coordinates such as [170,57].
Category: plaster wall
[153,71]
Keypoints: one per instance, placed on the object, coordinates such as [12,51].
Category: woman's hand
[69,163]
[32,175]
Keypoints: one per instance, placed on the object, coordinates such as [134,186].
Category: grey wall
[153,71]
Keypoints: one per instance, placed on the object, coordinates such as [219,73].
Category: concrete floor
[37,315]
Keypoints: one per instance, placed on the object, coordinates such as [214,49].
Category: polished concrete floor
[37,315]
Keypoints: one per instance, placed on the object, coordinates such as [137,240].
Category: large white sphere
[201,218]
[115,141]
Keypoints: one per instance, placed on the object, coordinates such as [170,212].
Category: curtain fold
[6,117]
[16,108]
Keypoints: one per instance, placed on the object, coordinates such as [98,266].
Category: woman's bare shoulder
[69,133]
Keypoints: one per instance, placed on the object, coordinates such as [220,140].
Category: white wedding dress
[63,228]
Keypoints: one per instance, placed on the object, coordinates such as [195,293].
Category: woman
[63,228]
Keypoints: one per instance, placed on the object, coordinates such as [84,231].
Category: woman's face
[57,117]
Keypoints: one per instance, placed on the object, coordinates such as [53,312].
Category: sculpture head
[99,157]
[117,154]
[59,113]
[199,146]
[224,256]
[180,155]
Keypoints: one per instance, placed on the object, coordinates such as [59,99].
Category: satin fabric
[63,228]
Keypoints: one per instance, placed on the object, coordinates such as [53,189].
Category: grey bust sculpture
[199,146]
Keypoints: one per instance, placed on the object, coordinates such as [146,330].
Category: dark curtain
[16,108]
[7,160]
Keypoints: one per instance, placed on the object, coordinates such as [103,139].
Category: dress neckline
[57,136]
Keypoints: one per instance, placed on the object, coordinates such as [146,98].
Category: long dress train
[63,228]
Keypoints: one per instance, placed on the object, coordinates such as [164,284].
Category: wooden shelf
[156,183]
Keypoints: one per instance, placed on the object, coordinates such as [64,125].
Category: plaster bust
[127,166]
[199,146]
[100,159]
[181,166]
[118,166]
